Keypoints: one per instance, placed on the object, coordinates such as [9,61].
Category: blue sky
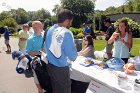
[33,5]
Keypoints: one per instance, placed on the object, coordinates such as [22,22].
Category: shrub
[11,23]
[77,32]
[80,35]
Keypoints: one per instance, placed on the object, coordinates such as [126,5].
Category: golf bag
[23,61]
[41,72]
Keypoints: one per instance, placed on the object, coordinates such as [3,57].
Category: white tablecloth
[105,77]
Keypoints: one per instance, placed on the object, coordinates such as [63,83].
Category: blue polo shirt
[68,50]
[34,43]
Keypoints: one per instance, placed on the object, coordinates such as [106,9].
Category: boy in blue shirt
[33,48]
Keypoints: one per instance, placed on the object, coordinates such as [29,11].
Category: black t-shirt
[109,32]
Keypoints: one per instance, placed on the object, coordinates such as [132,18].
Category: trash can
[78,43]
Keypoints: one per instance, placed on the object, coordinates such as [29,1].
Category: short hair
[63,15]
[25,26]
[107,20]
[36,23]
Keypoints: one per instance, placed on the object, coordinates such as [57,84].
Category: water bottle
[137,86]
[122,81]
[22,65]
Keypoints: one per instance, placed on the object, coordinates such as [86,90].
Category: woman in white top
[23,36]
[88,50]
[122,39]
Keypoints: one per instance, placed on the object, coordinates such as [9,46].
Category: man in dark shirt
[6,37]
[110,30]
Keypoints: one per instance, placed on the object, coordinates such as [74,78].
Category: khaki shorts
[109,48]
[7,42]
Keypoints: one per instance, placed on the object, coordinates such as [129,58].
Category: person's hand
[116,35]
[23,39]
[106,35]
[102,33]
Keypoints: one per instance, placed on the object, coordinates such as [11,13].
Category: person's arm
[69,47]
[102,32]
[84,52]
[40,90]
[130,41]
[33,53]
[21,36]
[23,39]
[113,37]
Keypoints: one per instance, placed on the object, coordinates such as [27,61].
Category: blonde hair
[36,23]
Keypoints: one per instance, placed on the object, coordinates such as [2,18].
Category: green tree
[138,7]
[11,23]
[81,9]
[20,15]
[130,6]
[40,14]
[4,14]
[56,9]
[43,14]
[110,10]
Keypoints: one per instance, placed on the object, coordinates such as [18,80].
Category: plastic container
[122,81]
[137,86]
[115,63]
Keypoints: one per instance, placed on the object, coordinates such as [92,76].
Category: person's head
[88,40]
[107,22]
[6,27]
[123,26]
[65,18]
[25,27]
[37,27]
[42,21]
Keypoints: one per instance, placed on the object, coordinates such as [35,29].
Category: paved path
[10,81]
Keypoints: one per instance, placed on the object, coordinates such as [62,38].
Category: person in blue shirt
[34,46]
[6,37]
[58,67]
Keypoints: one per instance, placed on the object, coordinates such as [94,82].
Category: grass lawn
[135,51]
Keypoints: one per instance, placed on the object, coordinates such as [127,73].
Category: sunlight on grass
[135,51]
